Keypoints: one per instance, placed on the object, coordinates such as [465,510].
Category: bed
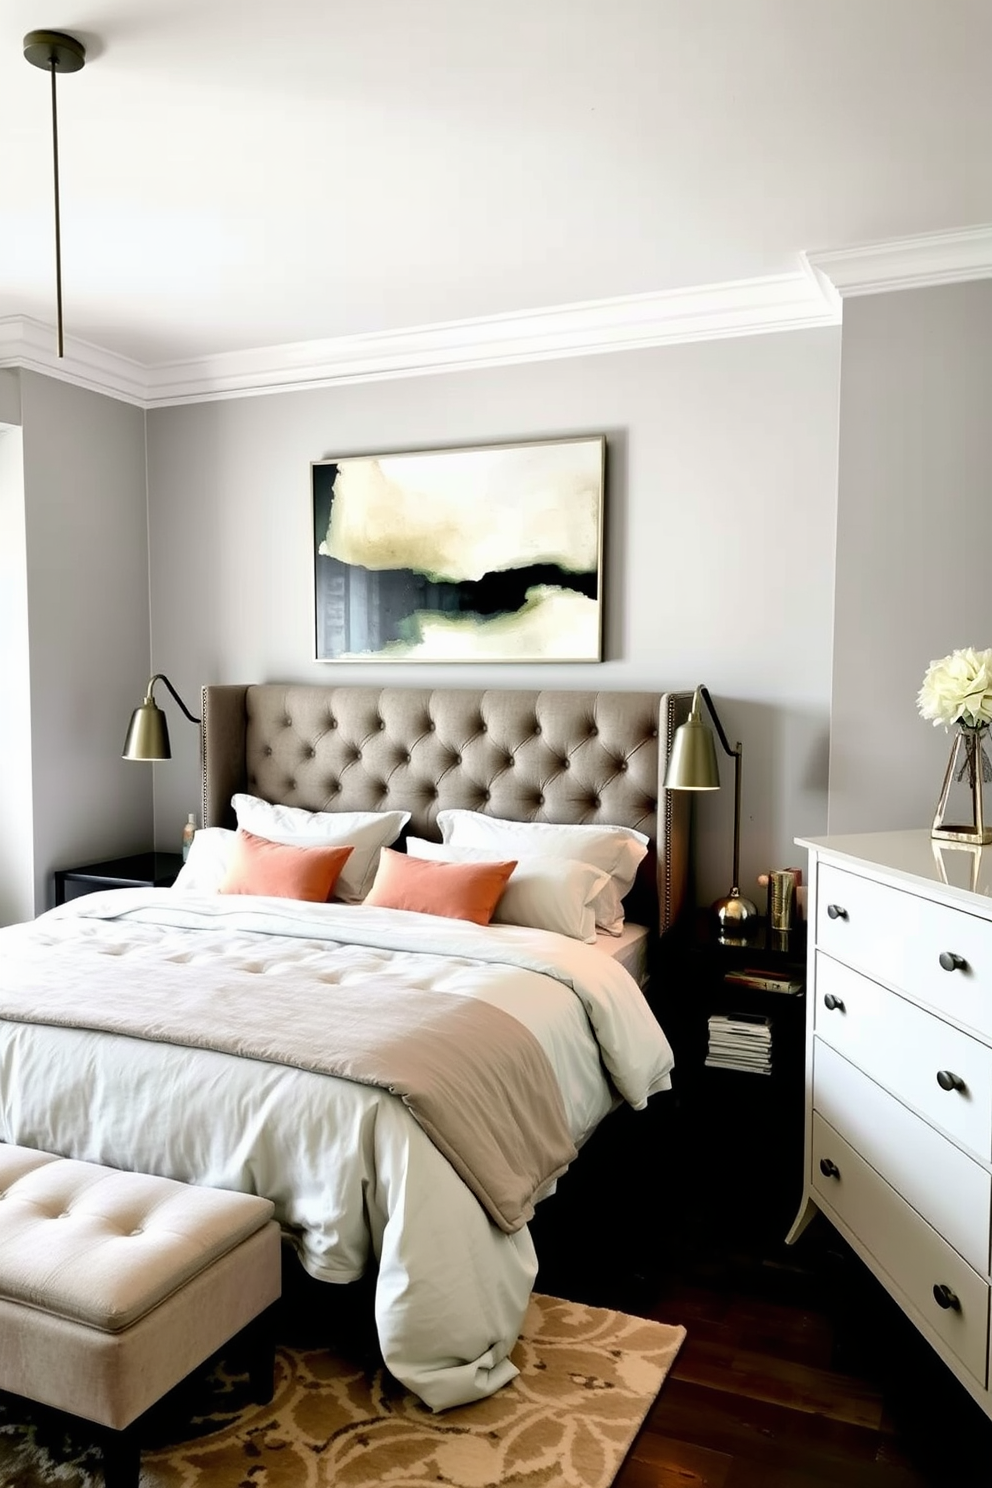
[177,1031]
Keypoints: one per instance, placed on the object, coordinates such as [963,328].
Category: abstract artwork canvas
[466,555]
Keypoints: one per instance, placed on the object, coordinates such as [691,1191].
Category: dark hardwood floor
[797,1368]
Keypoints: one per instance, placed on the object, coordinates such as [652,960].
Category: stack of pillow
[568,879]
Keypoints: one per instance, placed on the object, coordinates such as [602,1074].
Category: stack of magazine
[765,981]
[740,1041]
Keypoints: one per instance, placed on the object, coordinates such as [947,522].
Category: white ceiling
[247,173]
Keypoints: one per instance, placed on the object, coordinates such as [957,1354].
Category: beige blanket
[474,1078]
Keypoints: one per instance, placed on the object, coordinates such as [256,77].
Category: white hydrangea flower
[958,689]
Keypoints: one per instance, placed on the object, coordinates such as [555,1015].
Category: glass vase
[968,763]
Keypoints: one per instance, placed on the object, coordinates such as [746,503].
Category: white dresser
[899,1076]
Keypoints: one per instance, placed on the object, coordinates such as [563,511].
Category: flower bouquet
[957,692]
[958,689]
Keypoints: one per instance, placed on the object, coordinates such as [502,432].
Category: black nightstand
[739,1163]
[141,870]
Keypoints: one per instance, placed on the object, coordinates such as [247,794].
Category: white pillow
[365,831]
[617,850]
[545,893]
[206,866]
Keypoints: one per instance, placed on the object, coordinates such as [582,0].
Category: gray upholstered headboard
[527,756]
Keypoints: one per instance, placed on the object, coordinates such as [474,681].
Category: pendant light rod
[58,214]
[55,52]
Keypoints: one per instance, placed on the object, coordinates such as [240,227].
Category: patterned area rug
[588,1379]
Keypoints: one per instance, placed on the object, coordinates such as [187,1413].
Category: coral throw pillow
[259,866]
[460,891]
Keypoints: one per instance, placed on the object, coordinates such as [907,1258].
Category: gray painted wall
[10,396]
[17,837]
[729,551]
[914,539]
[86,538]
[720,549]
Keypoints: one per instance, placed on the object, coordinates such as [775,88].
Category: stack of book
[740,1041]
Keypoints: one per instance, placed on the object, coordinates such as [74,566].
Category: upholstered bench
[114,1286]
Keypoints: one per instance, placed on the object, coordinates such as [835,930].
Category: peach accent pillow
[259,866]
[459,891]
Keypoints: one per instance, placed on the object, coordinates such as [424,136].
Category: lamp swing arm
[704,694]
[737,756]
[161,677]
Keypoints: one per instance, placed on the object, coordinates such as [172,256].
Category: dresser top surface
[957,872]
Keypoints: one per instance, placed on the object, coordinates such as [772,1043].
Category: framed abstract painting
[493,553]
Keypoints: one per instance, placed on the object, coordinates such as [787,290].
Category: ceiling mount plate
[54,48]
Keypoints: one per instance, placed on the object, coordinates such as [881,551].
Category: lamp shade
[147,734]
[692,759]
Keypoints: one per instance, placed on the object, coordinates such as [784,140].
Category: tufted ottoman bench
[114,1286]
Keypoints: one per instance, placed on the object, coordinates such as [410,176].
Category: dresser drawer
[904,1048]
[948,1188]
[898,938]
[907,1249]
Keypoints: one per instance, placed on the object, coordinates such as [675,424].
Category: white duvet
[352,1175]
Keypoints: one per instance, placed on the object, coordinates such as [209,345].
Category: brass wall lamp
[692,766]
[55,52]
[148,732]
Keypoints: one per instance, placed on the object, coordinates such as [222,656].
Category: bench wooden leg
[122,1458]
[260,1342]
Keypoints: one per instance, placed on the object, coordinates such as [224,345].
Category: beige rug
[588,1379]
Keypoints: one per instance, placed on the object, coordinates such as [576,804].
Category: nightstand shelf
[138,870]
[739,1132]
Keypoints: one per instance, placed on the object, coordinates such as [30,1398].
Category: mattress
[630,949]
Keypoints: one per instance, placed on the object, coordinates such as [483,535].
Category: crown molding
[705,312]
[30,344]
[812,296]
[907,263]
[745,308]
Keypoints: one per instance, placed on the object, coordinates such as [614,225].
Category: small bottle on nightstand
[189,831]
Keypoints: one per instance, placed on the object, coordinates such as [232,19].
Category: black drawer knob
[948,1080]
[951,962]
[828,1168]
[945,1298]
[836,912]
[832,1004]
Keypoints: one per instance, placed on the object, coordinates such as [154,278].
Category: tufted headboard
[524,755]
